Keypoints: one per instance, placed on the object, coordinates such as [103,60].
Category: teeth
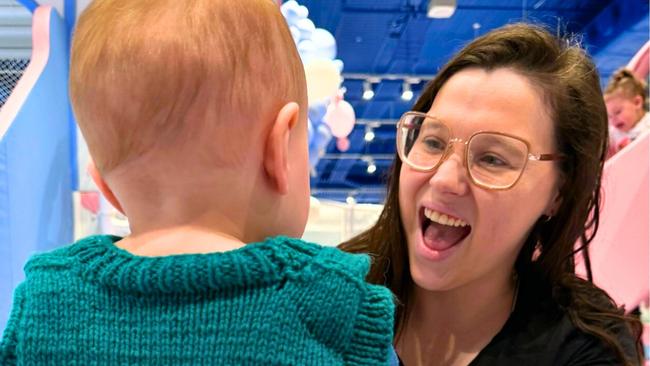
[443,219]
[435,216]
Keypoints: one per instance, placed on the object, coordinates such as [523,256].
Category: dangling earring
[547,219]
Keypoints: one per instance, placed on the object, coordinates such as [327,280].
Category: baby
[195,114]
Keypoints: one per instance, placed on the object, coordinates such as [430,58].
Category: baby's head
[174,97]
[625,97]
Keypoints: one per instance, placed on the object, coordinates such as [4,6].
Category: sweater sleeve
[9,341]
[343,311]
[372,334]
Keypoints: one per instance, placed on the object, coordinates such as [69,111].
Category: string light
[350,200]
[370,134]
[372,167]
[368,93]
[407,93]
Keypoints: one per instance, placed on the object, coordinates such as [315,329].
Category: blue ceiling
[394,38]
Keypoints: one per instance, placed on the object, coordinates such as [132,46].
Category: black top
[539,332]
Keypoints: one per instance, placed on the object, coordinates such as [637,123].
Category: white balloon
[302,11]
[295,33]
[325,43]
[338,64]
[323,80]
[290,10]
[290,5]
[306,28]
[307,50]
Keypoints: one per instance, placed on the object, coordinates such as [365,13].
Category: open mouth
[440,231]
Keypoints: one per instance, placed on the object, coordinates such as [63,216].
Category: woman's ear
[554,205]
[277,147]
[103,187]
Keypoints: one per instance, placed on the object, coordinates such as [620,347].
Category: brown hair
[569,83]
[623,81]
[168,75]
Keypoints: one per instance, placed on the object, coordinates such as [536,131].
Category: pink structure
[620,252]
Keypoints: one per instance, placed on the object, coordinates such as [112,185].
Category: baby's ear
[103,187]
[276,151]
[638,101]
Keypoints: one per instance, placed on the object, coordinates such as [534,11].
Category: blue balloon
[313,159]
[316,113]
[310,130]
[323,136]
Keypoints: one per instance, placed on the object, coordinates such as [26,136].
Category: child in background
[625,98]
[195,114]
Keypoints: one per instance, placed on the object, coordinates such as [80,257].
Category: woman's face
[445,257]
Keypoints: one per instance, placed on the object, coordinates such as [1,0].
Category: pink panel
[640,63]
[620,253]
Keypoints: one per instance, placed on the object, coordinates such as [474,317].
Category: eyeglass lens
[492,159]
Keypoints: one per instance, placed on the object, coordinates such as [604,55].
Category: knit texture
[279,302]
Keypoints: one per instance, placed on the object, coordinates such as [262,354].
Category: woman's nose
[451,176]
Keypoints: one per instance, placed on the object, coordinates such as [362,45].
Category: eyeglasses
[493,160]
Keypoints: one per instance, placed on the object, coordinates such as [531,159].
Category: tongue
[440,237]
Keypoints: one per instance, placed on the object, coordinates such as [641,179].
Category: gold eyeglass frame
[449,149]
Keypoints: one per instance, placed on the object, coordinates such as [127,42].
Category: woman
[498,171]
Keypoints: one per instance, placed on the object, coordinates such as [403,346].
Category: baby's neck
[185,239]
[188,213]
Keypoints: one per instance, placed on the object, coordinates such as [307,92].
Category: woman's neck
[452,327]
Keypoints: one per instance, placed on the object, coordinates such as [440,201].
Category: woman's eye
[493,161]
[434,144]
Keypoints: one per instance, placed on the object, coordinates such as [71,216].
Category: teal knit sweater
[280,302]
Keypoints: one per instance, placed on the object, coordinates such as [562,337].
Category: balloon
[340,118]
[322,137]
[310,130]
[343,144]
[314,157]
[291,11]
[325,44]
[323,80]
[295,34]
[316,112]
[306,28]
[338,64]
[302,11]
[307,50]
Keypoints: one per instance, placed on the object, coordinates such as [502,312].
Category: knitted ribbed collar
[254,265]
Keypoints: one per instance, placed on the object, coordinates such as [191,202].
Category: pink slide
[620,252]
